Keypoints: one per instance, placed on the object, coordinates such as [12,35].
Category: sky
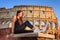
[52,3]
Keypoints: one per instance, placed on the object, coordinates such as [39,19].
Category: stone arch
[36,23]
[48,25]
[3,22]
[8,22]
[42,23]
[54,25]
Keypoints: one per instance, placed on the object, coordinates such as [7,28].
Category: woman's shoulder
[14,18]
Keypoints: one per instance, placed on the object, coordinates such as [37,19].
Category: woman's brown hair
[19,11]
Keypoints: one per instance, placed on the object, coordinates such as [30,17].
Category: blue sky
[52,3]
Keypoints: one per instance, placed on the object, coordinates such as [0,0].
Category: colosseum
[42,16]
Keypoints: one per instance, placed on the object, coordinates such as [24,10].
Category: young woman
[18,25]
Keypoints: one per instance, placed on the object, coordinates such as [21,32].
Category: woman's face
[20,14]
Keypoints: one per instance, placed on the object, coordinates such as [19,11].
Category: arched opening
[3,22]
[8,23]
[48,25]
[36,23]
[43,24]
[54,25]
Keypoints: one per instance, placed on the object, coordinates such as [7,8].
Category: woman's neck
[20,20]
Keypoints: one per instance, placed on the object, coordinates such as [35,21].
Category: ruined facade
[42,16]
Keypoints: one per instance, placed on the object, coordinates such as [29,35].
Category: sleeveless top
[17,26]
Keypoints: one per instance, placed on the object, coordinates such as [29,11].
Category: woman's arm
[13,21]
